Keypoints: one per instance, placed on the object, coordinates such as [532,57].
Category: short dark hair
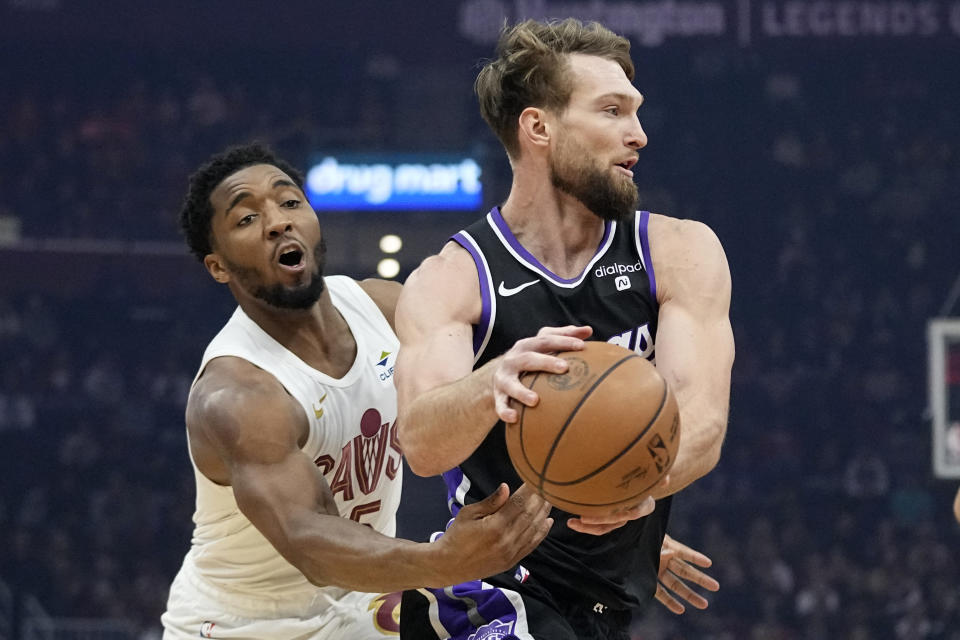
[197,210]
[530,70]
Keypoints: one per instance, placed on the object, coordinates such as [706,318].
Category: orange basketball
[603,434]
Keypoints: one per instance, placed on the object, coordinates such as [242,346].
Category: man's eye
[614,111]
[245,220]
[292,204]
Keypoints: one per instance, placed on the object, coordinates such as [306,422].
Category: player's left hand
[675,569]
[599,525]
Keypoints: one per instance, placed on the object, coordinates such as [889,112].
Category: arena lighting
[391,243]
[394,181]
[388,268]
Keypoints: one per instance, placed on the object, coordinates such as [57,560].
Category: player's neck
[555,227]
[320,336]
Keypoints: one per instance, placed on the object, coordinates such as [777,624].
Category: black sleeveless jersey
[616,295]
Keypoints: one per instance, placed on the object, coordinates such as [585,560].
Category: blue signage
[346,182]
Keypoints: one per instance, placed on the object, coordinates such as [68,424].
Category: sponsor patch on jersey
[384,365]
[496,630]
[206,629]
[617,269]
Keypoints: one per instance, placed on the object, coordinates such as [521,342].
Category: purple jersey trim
[468,611]
[497,219]
[454,480]
[481,330]
[643,219]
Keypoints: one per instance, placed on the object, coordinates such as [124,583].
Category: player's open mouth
[626,166]
[291,258]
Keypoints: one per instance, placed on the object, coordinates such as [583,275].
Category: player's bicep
[695,352]
[255,427]
[418,368]
[434,316]
[694,338]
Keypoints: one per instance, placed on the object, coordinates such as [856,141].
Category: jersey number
[363,509]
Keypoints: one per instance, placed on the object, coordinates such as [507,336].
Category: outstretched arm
[446,408]
[694,347]
[246,431]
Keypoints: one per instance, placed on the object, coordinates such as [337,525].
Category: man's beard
[283,296]
[598,190]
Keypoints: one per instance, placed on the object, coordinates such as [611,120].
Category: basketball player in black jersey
[566,258]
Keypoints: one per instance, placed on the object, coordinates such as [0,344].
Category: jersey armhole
[642,239]
[488,304]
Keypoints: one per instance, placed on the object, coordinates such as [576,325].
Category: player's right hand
[532,354]
[493,535]
[602,524]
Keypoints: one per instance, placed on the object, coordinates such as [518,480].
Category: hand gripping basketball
[603,435]
[532,354]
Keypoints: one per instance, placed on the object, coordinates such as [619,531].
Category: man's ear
[214,264]
[534,126]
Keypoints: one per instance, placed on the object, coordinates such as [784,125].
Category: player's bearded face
[573,171]
[300,296]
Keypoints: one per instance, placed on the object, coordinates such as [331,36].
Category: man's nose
[637,137]
[278,223]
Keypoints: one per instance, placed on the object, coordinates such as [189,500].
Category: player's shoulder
[232,394]
[444,286]
[687,256]
[384,294]
[452,266]
[681,234]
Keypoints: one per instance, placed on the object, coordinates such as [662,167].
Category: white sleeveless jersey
[352,440]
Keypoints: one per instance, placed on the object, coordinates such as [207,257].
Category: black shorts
[503,608]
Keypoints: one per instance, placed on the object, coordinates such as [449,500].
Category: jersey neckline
[524,257]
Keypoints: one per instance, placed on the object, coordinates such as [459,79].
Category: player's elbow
[422,465]
[710,456]
[710,460]
[318,575]
[295,549]
[313,571]
[702,453]
[418,456]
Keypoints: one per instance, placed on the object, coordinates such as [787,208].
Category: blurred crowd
[832,186]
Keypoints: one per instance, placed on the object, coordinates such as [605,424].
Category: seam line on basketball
[643,432]
[583,398]
[523,446]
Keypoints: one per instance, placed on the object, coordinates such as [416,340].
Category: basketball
[603,434]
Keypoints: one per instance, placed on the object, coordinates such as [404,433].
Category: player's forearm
[956,506]
[355,557]
[702,429]
[441,427]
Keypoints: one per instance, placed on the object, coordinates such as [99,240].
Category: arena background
[819,139]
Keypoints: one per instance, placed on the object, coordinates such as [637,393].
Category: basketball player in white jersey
[291,425]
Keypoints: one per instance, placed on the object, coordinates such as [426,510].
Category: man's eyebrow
[236,200]
[622,97]
[280,182]
[283,182]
